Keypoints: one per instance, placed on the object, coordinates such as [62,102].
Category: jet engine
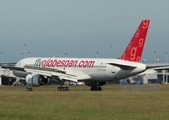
[95,83]
[36,80]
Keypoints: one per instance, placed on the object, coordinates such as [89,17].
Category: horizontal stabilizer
[124,67]
[159,67]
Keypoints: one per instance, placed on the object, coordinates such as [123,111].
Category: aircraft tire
[93,88]
[29,89]
[63,88]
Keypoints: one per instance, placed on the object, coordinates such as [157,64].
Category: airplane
[94,72]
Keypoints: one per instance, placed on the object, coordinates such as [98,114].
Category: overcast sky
[80,27]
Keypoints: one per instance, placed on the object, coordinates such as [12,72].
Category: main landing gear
[29,88]
[96,88]
[61,88]
[95,85]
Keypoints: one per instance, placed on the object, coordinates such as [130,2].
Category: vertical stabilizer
[135,48]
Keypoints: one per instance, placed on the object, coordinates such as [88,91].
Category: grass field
[115,102]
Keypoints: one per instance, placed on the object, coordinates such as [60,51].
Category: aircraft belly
[101,76]
[110,76]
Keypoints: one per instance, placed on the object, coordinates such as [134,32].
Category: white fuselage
[98,69]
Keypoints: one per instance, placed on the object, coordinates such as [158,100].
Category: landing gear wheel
[66,89]
[95,88]
[29,89]
[63,88]
[99,89]
[92,88]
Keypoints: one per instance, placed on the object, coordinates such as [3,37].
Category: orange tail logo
[135,48]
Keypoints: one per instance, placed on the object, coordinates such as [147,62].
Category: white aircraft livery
[94,72]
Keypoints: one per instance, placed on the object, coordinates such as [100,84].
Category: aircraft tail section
[135,48]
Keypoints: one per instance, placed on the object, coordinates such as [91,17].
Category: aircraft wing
[13,68]
[61,74]
[51,72]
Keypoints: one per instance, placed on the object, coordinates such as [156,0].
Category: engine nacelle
[95,83]
[36,80]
